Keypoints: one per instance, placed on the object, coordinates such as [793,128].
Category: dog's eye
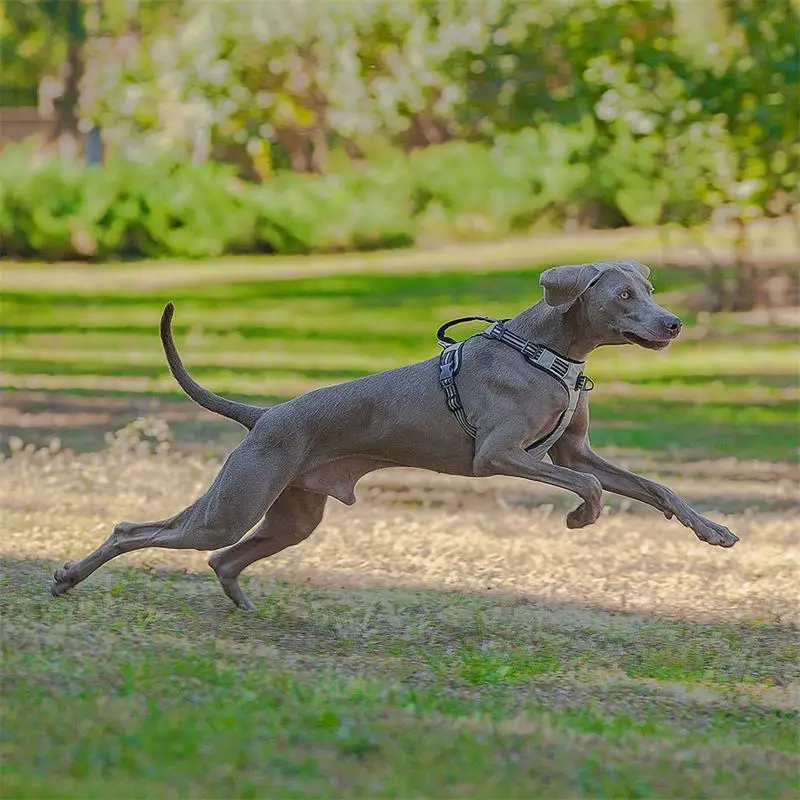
[626,295]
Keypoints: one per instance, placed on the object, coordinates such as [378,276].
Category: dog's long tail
[240,412]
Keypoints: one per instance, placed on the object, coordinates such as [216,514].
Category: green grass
[141,686]
[264,340]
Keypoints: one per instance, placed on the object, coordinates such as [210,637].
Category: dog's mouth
[650,344]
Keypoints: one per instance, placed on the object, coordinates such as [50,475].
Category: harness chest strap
[567,372]
[449,365]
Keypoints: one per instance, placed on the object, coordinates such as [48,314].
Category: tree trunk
[715,275]
[353,151]
[297,146]
[319,149]
[69,16]
[66,122]
[425,130]
[716,285]
[746,294]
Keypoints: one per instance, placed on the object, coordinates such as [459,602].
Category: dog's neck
[567,333]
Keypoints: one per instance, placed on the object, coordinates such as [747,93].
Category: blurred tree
[67,20]
[757,95]
[46,38]
[645,111]
[31,46]
[744,123]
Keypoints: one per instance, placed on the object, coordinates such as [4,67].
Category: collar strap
[449,366]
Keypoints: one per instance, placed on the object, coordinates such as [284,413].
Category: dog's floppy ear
[642,269]
[564,285]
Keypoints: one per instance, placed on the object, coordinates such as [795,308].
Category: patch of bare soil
[32,410]
[416,529]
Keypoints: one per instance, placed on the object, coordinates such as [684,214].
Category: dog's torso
[399,418]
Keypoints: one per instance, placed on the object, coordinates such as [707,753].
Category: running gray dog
[495,404]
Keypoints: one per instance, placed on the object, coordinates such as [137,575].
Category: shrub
[52,210]
[358,210]
[57,211]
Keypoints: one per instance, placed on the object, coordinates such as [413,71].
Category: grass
[149,691]
[716,393]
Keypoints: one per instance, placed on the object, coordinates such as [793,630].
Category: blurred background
[179,149]
[320,126]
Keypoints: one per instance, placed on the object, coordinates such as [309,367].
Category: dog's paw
[589,510]
[714,534]
[582,516]
[62,581]
[246,604]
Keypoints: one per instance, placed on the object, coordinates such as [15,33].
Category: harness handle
[446,341]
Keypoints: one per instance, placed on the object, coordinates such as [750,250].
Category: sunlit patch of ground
[417,528]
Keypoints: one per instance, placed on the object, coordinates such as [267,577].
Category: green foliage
[166,208]
[30,47]
[751,92]
[55,211]
[608,113]
[357,210]
[512,182]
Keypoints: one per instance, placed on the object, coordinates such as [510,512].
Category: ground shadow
[316,614]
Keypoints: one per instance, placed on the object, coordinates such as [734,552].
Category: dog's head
[616,299]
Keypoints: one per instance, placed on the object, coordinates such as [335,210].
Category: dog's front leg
[620,481]
[502,454]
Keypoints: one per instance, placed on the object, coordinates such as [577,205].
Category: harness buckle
[446,373]
[495,330]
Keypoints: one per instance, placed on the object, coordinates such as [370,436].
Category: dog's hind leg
[292,518]
[246,486]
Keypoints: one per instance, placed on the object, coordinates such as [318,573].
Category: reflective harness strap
[449,365]
[567,372]
[540,448]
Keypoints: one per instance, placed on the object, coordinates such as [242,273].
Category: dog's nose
[673,325]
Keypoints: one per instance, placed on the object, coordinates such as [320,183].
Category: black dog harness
[567,372]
